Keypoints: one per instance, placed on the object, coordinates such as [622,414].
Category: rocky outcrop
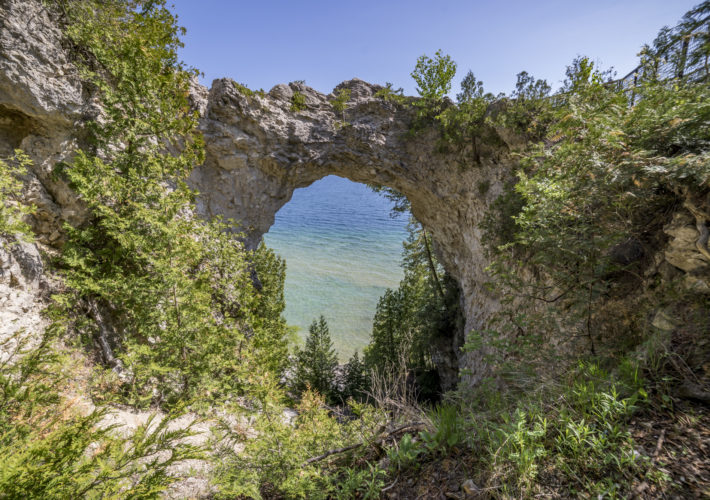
[23,287]
[259,151]
[41,102]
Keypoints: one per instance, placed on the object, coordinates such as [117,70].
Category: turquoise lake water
[342,251]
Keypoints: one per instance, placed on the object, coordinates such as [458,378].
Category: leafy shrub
[365,483]
[12,208]
[342,96]
[276,456]
[390,94]
[449,430]
[246,91]
[298,102]
[50,450]
[405,453]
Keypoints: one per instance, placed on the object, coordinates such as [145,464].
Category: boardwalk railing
[682,52]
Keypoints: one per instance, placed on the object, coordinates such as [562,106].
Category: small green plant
[298,102]
[449,430]
[246,91]
[12,208]
[405,453]
[390,94]
[340,101]
[519,440]
[360,483]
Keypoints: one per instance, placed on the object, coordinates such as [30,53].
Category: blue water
[342,251]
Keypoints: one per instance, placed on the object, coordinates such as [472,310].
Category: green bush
[276,456]
[298,102]
[342,96]
[449,430]
[51,450]
[12,208]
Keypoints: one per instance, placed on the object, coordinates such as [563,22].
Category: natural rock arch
[259,151]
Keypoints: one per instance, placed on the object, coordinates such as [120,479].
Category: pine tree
[355,379]
[316,362]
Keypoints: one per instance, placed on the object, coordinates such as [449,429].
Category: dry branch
[344,449]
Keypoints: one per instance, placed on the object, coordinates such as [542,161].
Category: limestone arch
[259,150]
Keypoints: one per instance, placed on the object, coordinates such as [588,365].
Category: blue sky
[264,42]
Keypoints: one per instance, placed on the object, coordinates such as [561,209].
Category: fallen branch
[390,486]
[345,449]
[659,445]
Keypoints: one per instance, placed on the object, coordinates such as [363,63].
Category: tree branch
[344,449]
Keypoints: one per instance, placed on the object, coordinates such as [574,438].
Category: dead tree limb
[345,449]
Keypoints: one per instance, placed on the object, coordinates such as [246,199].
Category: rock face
[259,151]
[41,101]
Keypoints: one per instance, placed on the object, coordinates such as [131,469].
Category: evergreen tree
[424,307]
[169,298]
[316,362]
[355,380]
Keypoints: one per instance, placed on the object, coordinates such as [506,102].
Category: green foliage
[423,309]
[520,440]
[275,460]
[467,125]
[360,483]
[51,450]
[12,209]
[316,362]
[530,110]
[405,453]
[449,429]
[342,96]
[298,102]
[356,382]
[390,94]
[589,207]
[171,294]
[433,76]
[579,428]
[246,91]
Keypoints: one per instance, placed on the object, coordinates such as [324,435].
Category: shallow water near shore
[342,251]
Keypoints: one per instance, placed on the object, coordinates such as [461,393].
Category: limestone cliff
[259,151]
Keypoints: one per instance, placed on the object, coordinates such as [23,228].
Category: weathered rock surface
[41,101]
[22,295]
[259,151]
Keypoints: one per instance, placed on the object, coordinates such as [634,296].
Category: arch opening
[343,250]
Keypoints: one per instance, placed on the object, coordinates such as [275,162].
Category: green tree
[356,382]
[422,309]
[316,362]
[168,298]
[434,75]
